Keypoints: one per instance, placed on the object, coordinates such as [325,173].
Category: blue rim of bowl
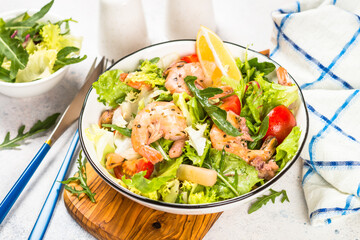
[130,194]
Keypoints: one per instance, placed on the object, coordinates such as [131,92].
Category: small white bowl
[92,110]
[34,88]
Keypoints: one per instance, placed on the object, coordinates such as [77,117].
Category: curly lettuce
[40,65]
[149,73]
[288,148]
[110,89]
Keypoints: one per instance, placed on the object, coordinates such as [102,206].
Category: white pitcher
[184,18]
[122,28]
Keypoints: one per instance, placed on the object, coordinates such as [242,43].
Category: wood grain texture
[114,216]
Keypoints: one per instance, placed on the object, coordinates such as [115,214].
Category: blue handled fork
[70,115]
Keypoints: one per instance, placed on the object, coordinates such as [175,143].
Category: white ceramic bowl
[92,110]
[34,88]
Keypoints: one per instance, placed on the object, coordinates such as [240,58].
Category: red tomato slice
[136,84]
[145,165]
[190,58]
[131,167]
[118,172]
[281,122]
[231,103]
[123,76]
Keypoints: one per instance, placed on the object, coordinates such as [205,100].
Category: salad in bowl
[35,48]
[162,128]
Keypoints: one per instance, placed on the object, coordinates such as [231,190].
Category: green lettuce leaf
[103,141]
[193,193]
[253,109]
[180,101]
[109,88]
[168,168]
[287,149]
[148,72]
[145,185]
[275,94]
[192,154]
[170,190]
[197,113]
[40,65]
[235,176]
[190,107]
[52,38]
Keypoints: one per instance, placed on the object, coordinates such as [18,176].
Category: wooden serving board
[114,216]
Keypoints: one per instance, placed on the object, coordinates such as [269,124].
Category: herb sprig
[80,178]
[124,131]
[38,127]
[261,201]
[217,114]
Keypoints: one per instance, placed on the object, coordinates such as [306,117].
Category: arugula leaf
[38,127]
[62,59]
[262,132]
[28,21]
[216,114]
[263,67]
[5,75]
[80,178]
[124,131]
[235,176]
[13,51]
[261,201]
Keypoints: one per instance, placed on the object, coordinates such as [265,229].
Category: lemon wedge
[215,58]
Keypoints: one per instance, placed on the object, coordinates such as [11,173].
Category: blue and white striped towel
[318,42]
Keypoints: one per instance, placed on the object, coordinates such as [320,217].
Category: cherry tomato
[190,58]
[231,103]
[281,122]
[131,167]
[145,165]
[118,172]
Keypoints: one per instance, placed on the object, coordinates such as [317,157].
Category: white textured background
[240,21]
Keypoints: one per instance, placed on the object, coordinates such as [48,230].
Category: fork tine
[91,68]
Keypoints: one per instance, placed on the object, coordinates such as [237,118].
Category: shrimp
[179,70]
[176,148]
[283,77]
[157,120]
[237,145]
[227,90]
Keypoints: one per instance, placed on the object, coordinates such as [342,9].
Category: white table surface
[240,21]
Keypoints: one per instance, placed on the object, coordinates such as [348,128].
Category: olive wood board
[114,216]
